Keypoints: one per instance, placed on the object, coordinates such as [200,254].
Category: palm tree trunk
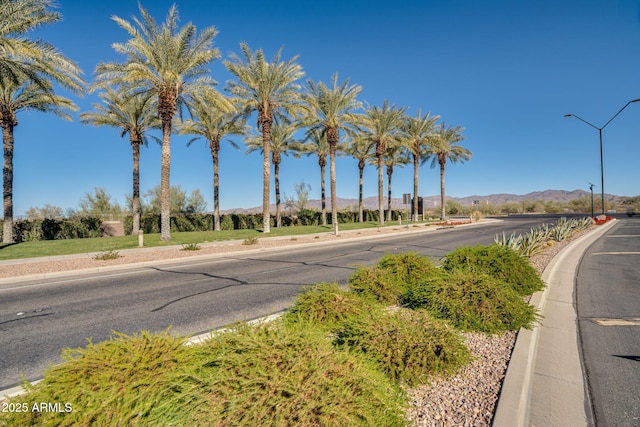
[276,175]
[415,187]
[265,124]
[165,186]
[389,175]
[7,180]
[322,161]
[442,210]
[332,139]
[216,189]
[380,192]
[135,146]
[361,165]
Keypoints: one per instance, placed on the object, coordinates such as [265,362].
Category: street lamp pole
[591,188]
[601,153]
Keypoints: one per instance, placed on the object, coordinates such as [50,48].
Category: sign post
[406,199]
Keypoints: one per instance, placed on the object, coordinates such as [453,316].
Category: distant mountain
[433,201]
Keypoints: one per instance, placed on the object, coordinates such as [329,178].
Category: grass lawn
[105,244]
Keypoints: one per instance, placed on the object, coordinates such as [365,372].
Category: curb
[519,403]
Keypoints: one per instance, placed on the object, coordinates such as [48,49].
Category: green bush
[473,302]
[116,382]
[268,375]
[410,346]
[390,278]
[376,283]
[501,262]
[328,306]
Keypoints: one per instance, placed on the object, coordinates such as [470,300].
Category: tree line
[164,69]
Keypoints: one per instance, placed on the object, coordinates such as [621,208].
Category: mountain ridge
[371,202]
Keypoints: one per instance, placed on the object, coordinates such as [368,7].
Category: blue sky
[507,71]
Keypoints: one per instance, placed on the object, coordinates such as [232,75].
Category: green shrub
[473,302]
[328,306]
[275,376]
[116,382]
[498,261]
[408,267]
[389,279]
[376,283]
[410,346]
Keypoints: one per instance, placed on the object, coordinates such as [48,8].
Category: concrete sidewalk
[544,385]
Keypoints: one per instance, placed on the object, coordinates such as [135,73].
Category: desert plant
[410,346]
[250,241]
[285,376]
[562,230]
[328,306]
[504,264]
[107,256]
[191,247]
[533,242]
[472,302]
[115,382]
[388,280]
[513,241]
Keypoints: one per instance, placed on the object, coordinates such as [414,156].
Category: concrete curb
[544,383]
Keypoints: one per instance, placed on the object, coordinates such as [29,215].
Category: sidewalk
[544,384]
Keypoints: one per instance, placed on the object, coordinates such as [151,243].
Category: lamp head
[569,115]
[635,100]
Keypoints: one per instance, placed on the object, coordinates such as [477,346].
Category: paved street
[608,307]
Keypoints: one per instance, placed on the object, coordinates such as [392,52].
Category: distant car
[630,213]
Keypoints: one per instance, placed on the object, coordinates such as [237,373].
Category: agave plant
[562,230]
[514,242]
[533,242]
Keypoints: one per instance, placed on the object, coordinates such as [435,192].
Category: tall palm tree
[270,89]
[170,62]
[213,124]
[135,115]
[331,109]
[396,156]
[282,143]
[360,148]
[16,96]
[315,143]
[417,132]
[36,60]
[383,125]
[443,147]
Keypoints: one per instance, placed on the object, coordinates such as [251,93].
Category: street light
[591,188]
[600,132]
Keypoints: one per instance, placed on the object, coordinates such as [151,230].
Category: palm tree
[134,114]
[270,89]
[316,144]
[382,127]
[330,109]
[16,96]
[213,124]
[24,59]
[360,149]
[169,62]
[282,143]
[396,156]
[417,133]
[443,147]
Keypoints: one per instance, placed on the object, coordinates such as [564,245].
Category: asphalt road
[608,307]
[40,318]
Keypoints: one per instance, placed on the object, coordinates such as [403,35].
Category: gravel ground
[466,399]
